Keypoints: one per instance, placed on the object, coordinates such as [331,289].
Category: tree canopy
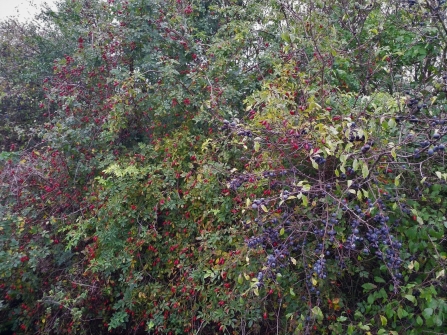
[235,167]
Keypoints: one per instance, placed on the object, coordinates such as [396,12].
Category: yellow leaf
[292,293]
[365,170]
[393,153]
[396,180]
[305,201]
[359,195]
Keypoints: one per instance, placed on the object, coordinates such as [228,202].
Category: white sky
[23,9]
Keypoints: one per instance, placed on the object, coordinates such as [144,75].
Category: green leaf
[391,123]
[379,280]
[305,201]
[363,327]
[383,320]
[369,286]
[355,164]
[401,313]
[317,313]
[306,188]
[397,180]
[292,293]
[359,195]
[365,170]
[411,298]
[393,153]
[427,313]
[419,321]
[416,265]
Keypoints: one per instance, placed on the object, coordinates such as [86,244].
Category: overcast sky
[23,9]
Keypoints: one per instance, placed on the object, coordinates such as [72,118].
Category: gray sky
[23,9]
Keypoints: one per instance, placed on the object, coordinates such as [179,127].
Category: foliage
[225,166]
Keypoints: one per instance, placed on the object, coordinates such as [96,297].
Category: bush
[233,167]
